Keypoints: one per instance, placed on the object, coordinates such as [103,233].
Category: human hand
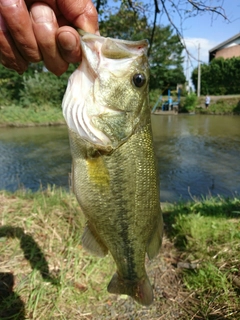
[31,31]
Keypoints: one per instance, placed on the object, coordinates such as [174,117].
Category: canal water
[198,155]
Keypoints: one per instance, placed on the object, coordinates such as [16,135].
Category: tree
[36,87]
[174,10]
[10,85]
[221,76]
[166,60]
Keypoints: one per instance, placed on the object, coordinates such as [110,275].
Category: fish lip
[91,36]
[108,45]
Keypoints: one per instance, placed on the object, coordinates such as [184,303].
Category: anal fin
[92,242]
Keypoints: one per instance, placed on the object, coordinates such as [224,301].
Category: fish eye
[139,80]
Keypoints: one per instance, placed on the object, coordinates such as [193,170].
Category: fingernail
[8,3]
[42,14]
[67,40]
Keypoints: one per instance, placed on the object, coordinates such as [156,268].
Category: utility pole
[199,73]
[187,75]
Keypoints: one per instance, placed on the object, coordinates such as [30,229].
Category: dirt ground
[172,300]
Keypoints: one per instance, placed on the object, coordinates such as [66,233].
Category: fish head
[107,96]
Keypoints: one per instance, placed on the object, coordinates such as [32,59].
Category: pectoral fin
[92,242]
[156,239]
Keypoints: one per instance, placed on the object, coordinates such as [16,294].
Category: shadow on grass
[11,306]
[31,251]
[224,208]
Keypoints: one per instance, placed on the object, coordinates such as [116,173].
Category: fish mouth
[114,48]
[85,109]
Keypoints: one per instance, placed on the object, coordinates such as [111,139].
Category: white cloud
[191,61]
[205,45]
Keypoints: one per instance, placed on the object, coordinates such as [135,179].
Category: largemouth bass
[114,175]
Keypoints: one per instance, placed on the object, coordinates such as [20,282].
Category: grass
[207,235]
[18,116]
[220,106]
[46,274]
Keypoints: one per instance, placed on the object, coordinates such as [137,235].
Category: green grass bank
[46,274]
[18,116]
[219,105]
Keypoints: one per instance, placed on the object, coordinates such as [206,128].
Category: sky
[204,29]
[208,30]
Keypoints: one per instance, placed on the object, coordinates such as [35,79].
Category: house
[227,49]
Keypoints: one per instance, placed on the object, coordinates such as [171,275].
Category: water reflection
[34,157]
[198,155]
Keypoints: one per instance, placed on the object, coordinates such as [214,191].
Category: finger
[18,23]
[69,44]
[81,13]
[45,27]
[9,55]
[51,3]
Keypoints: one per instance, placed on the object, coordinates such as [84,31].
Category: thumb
[81,13]
[68,41]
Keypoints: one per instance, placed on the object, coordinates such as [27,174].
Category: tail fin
[141,290]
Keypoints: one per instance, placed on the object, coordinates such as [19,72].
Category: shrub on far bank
[41,89]
[35,88]
[190,103]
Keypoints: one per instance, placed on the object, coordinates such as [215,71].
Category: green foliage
[154,96]
[220,77]
[41,89]
[10,86]
[166,60]
[190,102]
[36,87]
[116,25]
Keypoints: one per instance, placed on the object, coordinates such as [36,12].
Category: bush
[154,96]
[190,102]
[35,88]
[41,89]
[5,99]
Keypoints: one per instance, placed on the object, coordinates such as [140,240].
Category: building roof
[222,44]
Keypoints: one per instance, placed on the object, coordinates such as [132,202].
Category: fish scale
[115,178]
